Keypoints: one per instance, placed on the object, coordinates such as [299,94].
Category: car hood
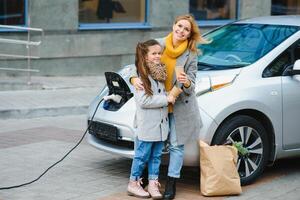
[213,73]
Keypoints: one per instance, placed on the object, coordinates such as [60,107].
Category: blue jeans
[176,151]
[146,153]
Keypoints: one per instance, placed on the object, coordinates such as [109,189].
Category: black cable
[27,183]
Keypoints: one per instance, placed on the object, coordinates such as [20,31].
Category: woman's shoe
[134,188]
[153,189]
[170,189]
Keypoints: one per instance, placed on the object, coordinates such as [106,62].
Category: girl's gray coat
[151,118]
[186,109]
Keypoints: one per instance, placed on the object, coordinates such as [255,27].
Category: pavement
[42,121]
[47,96]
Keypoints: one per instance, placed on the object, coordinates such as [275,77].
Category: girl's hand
[137,83]
[182,78]
[171,99]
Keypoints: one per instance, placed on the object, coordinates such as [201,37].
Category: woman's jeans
[146,153]
[176,151]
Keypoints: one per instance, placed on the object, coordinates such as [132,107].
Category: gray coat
[151,118]
[186,110]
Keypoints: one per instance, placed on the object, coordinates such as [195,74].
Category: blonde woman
[179,49]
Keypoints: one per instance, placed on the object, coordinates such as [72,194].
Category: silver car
[248,85]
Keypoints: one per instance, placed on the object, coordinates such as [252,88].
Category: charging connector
[114,97]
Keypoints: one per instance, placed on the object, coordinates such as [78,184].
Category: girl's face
[181,30]
[154,54]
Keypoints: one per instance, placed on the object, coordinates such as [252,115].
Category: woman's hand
[137,83]
[182,78]
[171,99]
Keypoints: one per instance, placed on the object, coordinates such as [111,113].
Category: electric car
[248,92]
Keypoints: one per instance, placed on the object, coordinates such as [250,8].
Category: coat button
[166,119]
[159,90]
[186,101]
[162,121]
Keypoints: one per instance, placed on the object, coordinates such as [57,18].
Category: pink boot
[135,189]
[153,189]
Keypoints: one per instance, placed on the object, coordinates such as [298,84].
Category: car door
[291,105]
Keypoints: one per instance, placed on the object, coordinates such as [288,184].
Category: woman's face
[154,54]
[181,30]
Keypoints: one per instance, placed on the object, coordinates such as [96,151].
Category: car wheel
[254,145]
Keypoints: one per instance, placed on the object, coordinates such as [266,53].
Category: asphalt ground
[30,146]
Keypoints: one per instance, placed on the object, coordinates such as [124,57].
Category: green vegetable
[241,149]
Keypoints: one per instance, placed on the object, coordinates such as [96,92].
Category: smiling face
[181,30]
[154,54]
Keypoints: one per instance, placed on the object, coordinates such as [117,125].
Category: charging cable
[27,183]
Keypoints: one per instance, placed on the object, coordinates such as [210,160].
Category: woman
[180,49]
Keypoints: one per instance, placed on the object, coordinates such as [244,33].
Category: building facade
[88,37]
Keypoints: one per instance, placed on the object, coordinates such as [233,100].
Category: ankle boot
[170,189]
[153,189]
[134,188]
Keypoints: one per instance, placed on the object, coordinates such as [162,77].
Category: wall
[65,50]
[254,8]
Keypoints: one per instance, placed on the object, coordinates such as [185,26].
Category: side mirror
[296,68]
[297,65]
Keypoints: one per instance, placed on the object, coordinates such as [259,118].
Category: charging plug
[114,97]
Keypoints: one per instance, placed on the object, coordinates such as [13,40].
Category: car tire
[252,134]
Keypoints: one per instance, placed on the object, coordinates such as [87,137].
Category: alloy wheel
[250,151]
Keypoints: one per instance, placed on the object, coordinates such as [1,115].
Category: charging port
[119,92]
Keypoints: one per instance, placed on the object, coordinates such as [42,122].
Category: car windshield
[239,45]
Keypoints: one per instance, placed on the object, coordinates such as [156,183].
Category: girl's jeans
[176,151]
[146,153]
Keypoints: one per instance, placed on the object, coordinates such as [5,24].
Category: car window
[283,62]
[239,45]
[297,51]
[277,66]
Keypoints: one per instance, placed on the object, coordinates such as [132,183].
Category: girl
[151,119]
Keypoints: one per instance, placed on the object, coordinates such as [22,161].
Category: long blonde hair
[195,36]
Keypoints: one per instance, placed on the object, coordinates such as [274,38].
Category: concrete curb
[42,112]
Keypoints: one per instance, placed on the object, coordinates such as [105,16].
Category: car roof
[291,20]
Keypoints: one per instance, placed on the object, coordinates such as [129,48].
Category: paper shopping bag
[219,174]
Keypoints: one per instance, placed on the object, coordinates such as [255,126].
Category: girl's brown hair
[195,36]
[140,62]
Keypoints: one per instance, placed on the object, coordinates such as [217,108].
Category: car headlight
[210,84]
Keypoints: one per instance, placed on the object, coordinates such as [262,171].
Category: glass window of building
[214,9]
[111,12]
[13,12]
[285,7]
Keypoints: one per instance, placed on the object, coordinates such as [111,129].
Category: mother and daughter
[161,116]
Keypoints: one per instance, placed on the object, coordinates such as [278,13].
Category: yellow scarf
[169,56]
